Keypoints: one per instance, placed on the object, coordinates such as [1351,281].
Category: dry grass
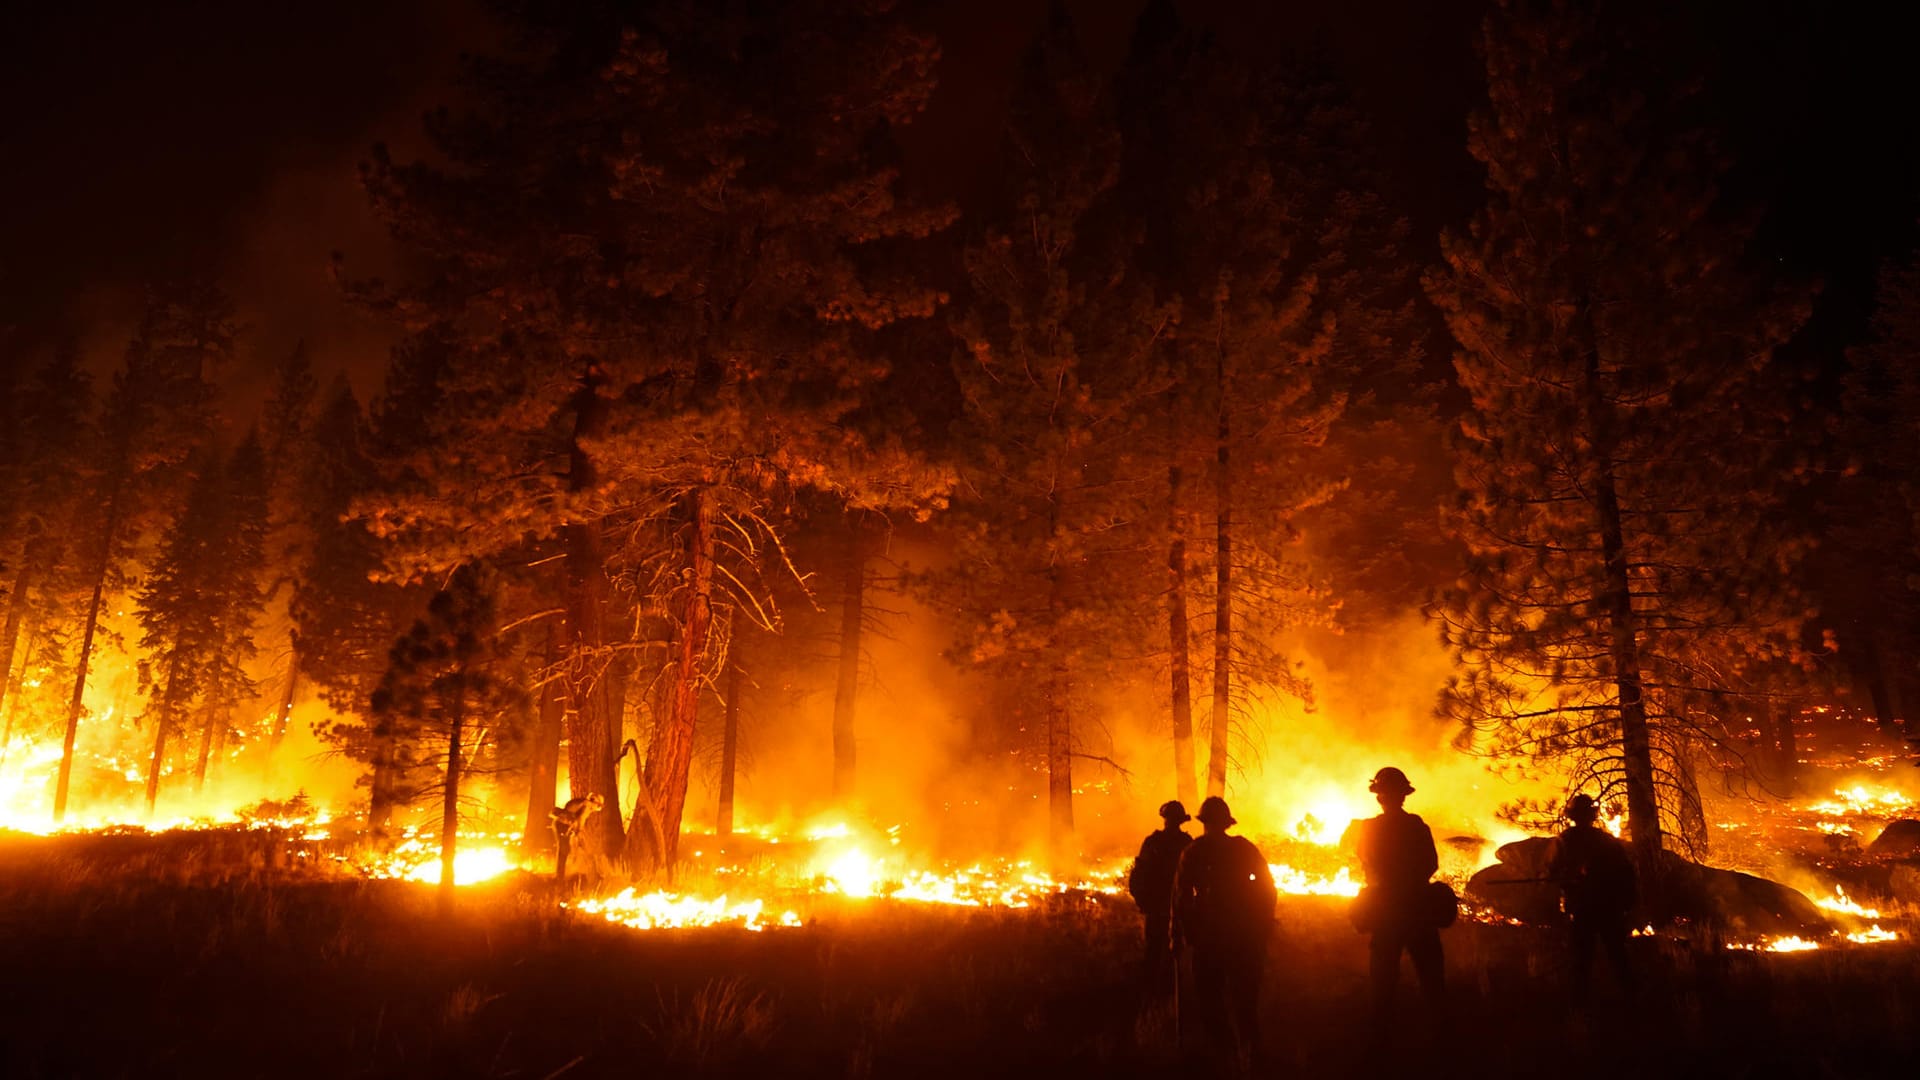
[168,960]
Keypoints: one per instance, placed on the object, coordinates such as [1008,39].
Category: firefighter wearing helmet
[1398,905]
[1598,888]
[1150,883]
[1223,910]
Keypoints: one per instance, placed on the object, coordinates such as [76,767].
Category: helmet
[1390,781]
[1214,812]
[1581,808]
[1174,813]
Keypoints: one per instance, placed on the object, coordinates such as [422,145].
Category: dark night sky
[141,137]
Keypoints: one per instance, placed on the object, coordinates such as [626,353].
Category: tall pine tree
[1621,467]
[158,413]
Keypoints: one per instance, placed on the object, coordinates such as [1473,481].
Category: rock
[1514,886]
[1741,902]
[1900,839]
[1735,901]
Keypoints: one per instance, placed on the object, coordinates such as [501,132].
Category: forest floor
[135,956]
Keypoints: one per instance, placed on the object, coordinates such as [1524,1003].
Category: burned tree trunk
[383,785]
[1623,641]
[76,703]
[1222,599]
[543,757]
[1786,749]
[450,794]
[284,713]
[1880,688]
[160,725]
[670,749]
[1180,662]
[846,692]
[209,734]
[1055,699]
[730,737]
[593,733]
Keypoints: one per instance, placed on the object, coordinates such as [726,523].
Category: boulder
[1898,840]
[1516,886]
[1741,903]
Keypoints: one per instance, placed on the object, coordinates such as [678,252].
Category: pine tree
[345,620]
[196,609]
[52,426]
[235,597]
[443,679]
[653,274]
[160,410]
[1262,222]
[286,444]
[1054,387]
[1621,467]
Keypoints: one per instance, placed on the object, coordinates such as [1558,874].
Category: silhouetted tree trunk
[450,795]
[1636,747]
[160,726]
[593,735]
[1786,747]
[1056,700]
[75,704]
[382,795]
[284,713]
[670,750]
[730,738]
[543,758]
[1180,662]
[208,736]
[846,693]
[1880,688]
[1223,597]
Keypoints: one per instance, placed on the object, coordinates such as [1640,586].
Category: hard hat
[1214,812]
[1174,813]
[1582,808]
[1390,781]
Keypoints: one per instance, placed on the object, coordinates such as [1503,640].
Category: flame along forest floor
[169,956]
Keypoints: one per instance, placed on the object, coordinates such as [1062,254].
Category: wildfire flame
[1842,903]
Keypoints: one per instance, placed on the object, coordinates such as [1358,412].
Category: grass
[201,955]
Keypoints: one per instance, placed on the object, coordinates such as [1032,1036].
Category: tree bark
[1223,597]
[284,714]
[670,748]
[592,732]
[160,726]
[846,693]
[730,736]
[1880,688]
[1644,830]
[208,731]
[1180,661]
[1785,744]
[77,702]
[381,796]
[1055,698]
[450,794]
[10,632]
[543,759]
